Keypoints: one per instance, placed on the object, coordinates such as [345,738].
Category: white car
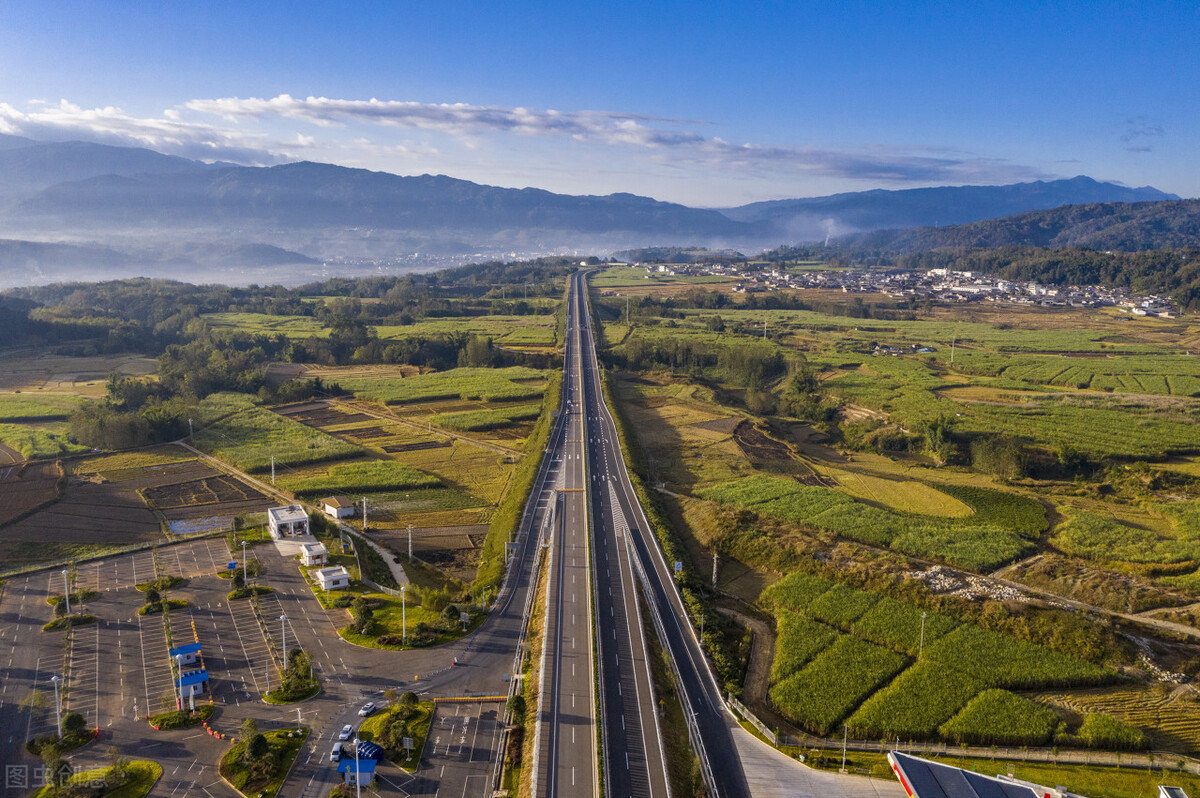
[347,730]
[367,709]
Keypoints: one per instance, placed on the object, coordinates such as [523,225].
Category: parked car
[347,730]
[367,709]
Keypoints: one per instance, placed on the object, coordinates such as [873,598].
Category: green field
[37,406]
[265,324]
[248,438]
[998,717]
[44,440]
[482,420]
[915,704]
[496,385]
[978,542]
[1103,538]
[365,477]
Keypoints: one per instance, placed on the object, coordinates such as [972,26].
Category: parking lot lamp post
[403,614]
[357,772]
[67,597]
[283,635]
[245,569]
[57,706]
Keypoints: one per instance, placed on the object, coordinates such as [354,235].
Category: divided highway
[625,546]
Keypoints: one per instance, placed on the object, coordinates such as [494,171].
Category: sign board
[407,743]
[232,566]
[678,566]
[465,617]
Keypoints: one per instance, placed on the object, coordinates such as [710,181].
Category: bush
[1100,730]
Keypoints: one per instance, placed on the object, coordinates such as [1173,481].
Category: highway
[626,546]
[566,731]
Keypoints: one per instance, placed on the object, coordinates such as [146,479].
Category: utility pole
[410,542]
[921,645]
[951,351]
[191,432]
[714,580]
[845,733]
[245,570]
[272,469]
[283,636]
[364,513]
[764,329]
[67,597]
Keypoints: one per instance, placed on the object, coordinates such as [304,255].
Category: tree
[73,724]
[257,748]
[239,581]
[153,597]
[248,728]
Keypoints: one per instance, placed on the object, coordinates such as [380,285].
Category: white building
[338,507]
[314,554]
[334,578]
[286,522]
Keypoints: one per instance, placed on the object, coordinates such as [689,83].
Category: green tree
[73,724]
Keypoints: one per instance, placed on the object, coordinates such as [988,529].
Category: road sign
[678,566]
[407,744]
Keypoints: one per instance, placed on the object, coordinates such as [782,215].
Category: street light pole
[57,706]
[921,645]
[283,636]
[404,614]
[67,598]
[357,772]
[179,664]
[245,569]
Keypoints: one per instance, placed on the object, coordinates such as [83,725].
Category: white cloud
[169,133]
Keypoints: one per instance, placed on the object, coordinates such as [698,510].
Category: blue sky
[705,103]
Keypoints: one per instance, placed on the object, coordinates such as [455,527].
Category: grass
[37,406]
[482,420]
[266,324]
[179,719]
[361,477]
[284,748]
[998,717]
[490,385]
[143,774]
[249,436]
[833,684]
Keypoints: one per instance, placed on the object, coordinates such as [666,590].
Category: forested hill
[1123,226]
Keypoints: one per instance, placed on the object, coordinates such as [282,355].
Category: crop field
[1103,538]
[24,487]
[901,626]
[266,324]
[998,717]
[32,442]
[490,385]
[1003,661]
[799,640]
[517,332]
[19,407]
[905,496]
[223,490]
[250,437]
[60,374]
[482,420]
[977,542]
[361,477]
[1170,717]
[841,606]
[915,704]
[626,276]
[796,591]
[832,685]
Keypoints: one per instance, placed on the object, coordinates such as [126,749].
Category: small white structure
[338,507]
[287,522]
[334,578]
[314,554]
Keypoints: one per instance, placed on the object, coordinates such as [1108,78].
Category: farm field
[112,501]
[490,385]
[17,407]
[60,374]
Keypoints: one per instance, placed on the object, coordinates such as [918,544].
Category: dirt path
[9,456]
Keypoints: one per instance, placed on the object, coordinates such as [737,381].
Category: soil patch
[757,446]
[724,425]
[26,487]
[413,447]
[453,549]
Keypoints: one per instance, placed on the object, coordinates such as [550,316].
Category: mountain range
[125,208]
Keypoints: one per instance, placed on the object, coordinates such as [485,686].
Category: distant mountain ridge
[1128,227]
[142,204]
[815,218]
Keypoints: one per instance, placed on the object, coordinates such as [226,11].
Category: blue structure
[190,653]
[357,771]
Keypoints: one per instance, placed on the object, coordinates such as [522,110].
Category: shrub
[1100,730]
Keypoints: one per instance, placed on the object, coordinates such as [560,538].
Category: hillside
[816,217]
[1128,227]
